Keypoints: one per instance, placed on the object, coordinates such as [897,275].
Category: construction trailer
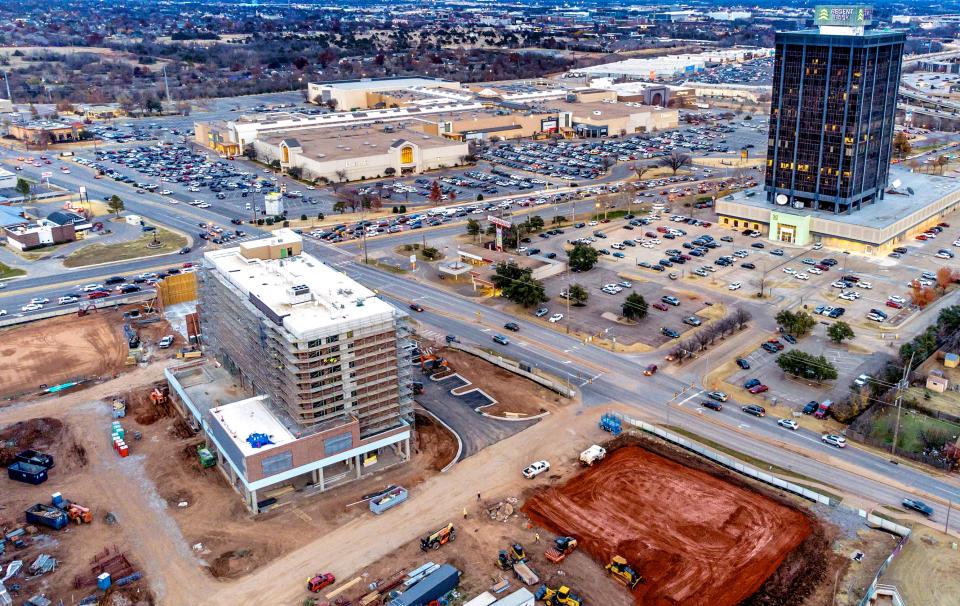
[430,588]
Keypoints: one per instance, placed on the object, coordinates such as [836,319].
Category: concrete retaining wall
[514,367]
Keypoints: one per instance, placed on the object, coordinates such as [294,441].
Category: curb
[456,457]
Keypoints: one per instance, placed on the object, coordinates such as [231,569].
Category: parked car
[165,342]
[534,469]
[669,300]
[743,364]
[669,332]
[751,383]
[758,389]
[541,312]
[810,407]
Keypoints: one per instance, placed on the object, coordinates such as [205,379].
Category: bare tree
[675,161]
[741,316]
[640,170]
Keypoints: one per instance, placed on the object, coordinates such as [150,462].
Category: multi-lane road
[604,378]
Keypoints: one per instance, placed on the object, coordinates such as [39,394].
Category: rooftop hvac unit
[299,293]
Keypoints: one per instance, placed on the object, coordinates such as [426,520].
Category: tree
[945,277]
[389,171]
[339,206]
[250,152]
[921,296]
[840,330]
[341,175]
[796,324]
[518,285]
[941,162]
[635,307]
[801,364]
[23,187]
[640,170]
[675,161]
[557,220]
[435,194]
[473,227]
[535,223]
[901,145]
[578,295]
[115,204]
[582,257]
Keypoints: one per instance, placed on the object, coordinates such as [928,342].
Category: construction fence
[871,519]
[179,288]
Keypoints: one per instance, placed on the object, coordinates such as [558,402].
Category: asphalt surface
[475,430]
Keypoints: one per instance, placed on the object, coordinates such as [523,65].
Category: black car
[743,364]
[748,266]
[416,307]
[919,506]
[811,407]
[790,339]
[129,288]
[114,280]
[184,250]
[669,332]
[512,326]
[711,405]
[757,411]
[757,245]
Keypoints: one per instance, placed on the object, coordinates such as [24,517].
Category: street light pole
[900,387]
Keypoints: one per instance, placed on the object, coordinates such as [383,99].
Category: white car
[92,287]
[897,299]
[593,223]
[522,249]
[788,423]
[31,307]
[734,286]
[67,300]
[165,192]
[556,318]
[534,469]
[814,271]
[789,270]
[817,246]
[840,284]
[39,300]
[850,295]
[801,276]
[834,440]
[865,285]
[174,201]
[956,242]
[3,312]
[943,255]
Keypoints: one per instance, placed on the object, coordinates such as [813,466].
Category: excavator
[558,597]
[432,363]
[622,572]
[440,537]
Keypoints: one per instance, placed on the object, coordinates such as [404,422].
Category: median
[149,244]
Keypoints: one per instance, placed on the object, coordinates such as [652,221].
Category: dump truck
[558,597]
[592,455]
[524,573]
[562,547]
[438,538]
[622,572]
[47,515]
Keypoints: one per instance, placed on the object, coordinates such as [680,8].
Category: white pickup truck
[535,469]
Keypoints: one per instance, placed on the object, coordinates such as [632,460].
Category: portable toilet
[103,581]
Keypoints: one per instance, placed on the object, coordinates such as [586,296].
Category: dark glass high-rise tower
[832,116]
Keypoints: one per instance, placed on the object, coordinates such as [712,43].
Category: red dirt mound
[696,539]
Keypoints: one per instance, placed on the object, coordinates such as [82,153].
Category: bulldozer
[558,597]
[504,561]
[435,540]
[517,553]
[562,547]
[622,572]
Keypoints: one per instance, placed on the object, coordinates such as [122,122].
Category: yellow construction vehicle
[622,572]
[558,597]
[435,540]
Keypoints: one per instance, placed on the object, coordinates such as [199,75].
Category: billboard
[853,15]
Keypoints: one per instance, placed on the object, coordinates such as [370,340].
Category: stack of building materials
[117,436]
[388,499]
[43,564]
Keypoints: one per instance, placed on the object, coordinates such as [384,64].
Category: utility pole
[946,525]
[901,385]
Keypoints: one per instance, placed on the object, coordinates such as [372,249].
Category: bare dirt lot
[50,352]
[211,515]
[515,395]
[927,570]
[696,537]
